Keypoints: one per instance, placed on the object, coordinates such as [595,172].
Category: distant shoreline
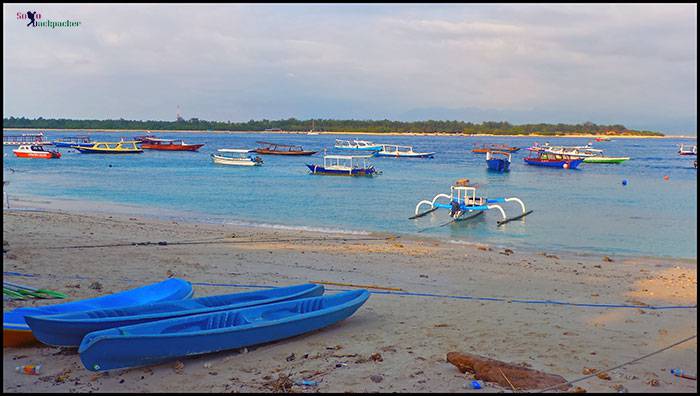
[592,136]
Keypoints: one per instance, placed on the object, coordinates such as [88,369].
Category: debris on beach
[283,384]
[507,252]
[608,259]
[95,285]
[604,376]
[376,378]
[291,357]
[376,357]
[505,374]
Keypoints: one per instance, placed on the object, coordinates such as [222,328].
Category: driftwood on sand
[505,374]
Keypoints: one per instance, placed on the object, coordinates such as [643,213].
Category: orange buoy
[666,177]
[565,166]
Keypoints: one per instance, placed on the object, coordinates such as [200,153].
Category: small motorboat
[164,340]
[70,328]
[122,147]
[35,151]
[16,331]
[168,145]
[362,145]
[682,150]
[393,150]
[239,157]
[282,149]
[344,165]
[70,141]
[485,148]
[498,161]
[550,160]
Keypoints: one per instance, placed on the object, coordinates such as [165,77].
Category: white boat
[682,150]
[393,150]
[356,145]
[240,157]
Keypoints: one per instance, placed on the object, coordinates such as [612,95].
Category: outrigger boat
[693,150]
[243,158]
[122,147]
[600,159]
[464,204]
[168,145]
[553,160]
[494,147]
[70,141]
[501,164]
[362,145]
[35,151]
[344,165]
[393,150]
[282,149]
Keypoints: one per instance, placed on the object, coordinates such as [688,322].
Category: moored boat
[344,165]
[16,332]
[164,340]
[35,151]
[498,161]
[682,150]
[282,149]
[25,138]
[168,145]
[553,160]
[485,148]
[393,150]
[70,141]
[362,145]
[239,157]
[600,159]
[70,328]
[122,147]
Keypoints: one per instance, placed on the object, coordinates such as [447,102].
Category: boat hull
[571,164]
[605,160]
[278,152]
[234,161]
[42,155]
[171,147]
[89,150]
[498,165]
[368,148]
[70,145]
[161,341]
[69,329]
[404,155]
[320,170]
[16,331]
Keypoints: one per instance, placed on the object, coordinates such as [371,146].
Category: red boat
[168,144]
[35,151]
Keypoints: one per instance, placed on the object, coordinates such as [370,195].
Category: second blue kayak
[164,340]
[69,329]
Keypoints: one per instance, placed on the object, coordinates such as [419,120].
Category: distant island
[327,125]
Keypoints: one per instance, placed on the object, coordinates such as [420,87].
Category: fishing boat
[362,145]
[553,160]
[164,340]
[168,145]
[35,151]
[344,165]
[282,149]
[693,150]
[601,159]
[393,150]
[70,141]
[464,204]
[603,139]
[239,157]
[16,332]
[122,147]
[70,328]
[575,151]
[485,148]
[141,138]
[25,138]
[498,161]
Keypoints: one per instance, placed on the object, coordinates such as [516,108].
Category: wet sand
[412,333]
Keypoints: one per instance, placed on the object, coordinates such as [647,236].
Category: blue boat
[497,164]
[164,340]
[561,161]
[361,145]
[16,332]
[344,165]
[69,329]
[70,141]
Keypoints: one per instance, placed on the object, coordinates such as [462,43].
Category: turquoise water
[584,210]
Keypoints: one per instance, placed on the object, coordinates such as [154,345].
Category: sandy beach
[412,333]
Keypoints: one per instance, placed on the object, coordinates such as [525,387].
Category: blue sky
[629,64]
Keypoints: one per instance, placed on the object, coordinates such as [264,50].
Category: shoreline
[76,206]
[591,136]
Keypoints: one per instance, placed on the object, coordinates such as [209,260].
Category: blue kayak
[164,340]
[69,329]
[16,332]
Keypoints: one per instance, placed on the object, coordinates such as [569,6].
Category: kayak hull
[69,329]
[161,341]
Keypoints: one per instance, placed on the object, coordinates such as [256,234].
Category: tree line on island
[328,125]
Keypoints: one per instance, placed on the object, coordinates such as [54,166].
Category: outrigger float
[465,205]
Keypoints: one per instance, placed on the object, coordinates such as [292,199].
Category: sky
[634,65]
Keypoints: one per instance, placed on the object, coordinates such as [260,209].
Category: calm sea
[588,210]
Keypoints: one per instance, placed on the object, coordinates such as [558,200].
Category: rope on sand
[621,365]
[414,294]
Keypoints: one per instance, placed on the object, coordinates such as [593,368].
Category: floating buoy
[666,177]
[110,165]
[624,182]
[565,166]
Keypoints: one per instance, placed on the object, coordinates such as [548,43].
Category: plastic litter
[473,384]
[28,369]
[683,374]
[304,382]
